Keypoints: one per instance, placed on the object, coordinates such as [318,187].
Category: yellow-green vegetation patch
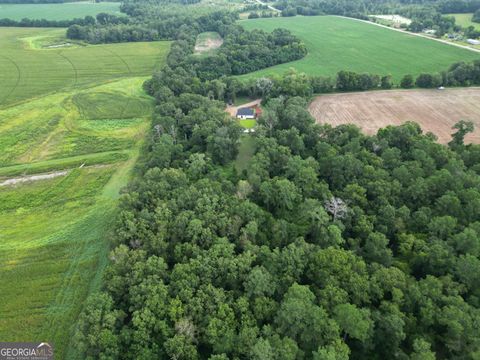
[336,43]
[107,105]
[53,127]
[110,124]
[247,123]
[50,250]
[53,232]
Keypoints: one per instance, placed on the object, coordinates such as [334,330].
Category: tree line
[77,23]
[171,82]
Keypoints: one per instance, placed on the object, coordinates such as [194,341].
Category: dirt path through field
[435,110]
[30,178]
[269,6]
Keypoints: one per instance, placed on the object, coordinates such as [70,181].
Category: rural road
[269,6]
[232,110]
[412,33]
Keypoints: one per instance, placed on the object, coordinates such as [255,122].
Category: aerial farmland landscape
[234,179]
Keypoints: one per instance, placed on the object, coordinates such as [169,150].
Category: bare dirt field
[435,110]
[208,41]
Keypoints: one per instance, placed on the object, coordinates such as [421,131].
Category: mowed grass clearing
[465,20]
[63,11]
[26,71]
[336,43]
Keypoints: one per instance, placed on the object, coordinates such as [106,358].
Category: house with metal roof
[246,113]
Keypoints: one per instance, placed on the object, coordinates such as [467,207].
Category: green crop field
[336,43]
[32,64]
[63,11]
[465,20]
[78,114]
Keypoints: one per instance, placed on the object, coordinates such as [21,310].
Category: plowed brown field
[435,110]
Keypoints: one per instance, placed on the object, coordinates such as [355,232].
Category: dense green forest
[330,244]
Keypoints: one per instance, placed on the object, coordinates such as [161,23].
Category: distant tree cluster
[458,74]
[77,23]
[262,14]
[142,27]
[476,16]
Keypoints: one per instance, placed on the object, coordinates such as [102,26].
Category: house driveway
[232,110]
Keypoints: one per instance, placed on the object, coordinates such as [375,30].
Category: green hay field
[80,109]
[336,43]
[64,11]
[27,70]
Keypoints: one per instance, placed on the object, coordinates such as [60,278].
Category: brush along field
[435,110]
[63,11]
[74,118]
[335,44]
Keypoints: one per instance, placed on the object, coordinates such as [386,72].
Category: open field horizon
[57,11]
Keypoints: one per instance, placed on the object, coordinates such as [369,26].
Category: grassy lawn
[335,44]
[64,11]
[465,20]
[247,123]
[245,152]
[60,109]
[27,71]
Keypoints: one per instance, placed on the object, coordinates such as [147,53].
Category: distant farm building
[246,113]
[473,42]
